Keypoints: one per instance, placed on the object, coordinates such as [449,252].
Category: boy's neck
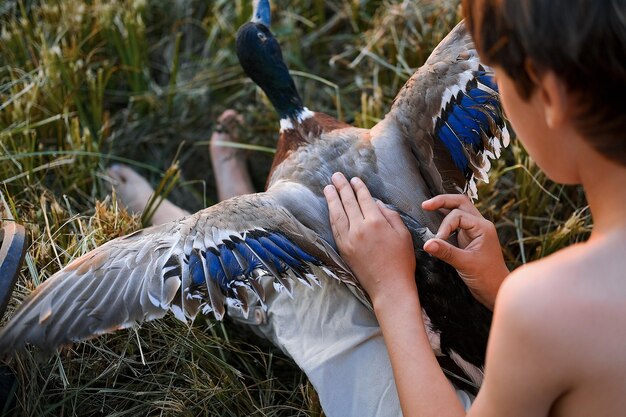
[604,182]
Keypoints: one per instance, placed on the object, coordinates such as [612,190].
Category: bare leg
[231,173]
[229,164]
[133,191]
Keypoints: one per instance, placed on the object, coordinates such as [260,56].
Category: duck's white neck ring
[301,116]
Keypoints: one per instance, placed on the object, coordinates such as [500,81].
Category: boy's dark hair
[582,41]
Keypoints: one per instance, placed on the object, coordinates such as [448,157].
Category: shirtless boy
[558,342]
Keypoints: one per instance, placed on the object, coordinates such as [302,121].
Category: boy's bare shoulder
[539,299]
[570,308]
[589,274]
[573,289]
[571,299]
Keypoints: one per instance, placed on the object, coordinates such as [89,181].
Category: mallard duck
[237,256]
[439,136]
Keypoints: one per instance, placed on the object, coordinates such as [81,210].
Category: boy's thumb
[444,251]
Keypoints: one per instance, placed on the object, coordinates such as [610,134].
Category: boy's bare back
[565,335]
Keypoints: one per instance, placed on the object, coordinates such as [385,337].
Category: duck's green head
[261,58]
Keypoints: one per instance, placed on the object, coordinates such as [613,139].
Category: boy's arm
[525,374]
[527,367]
[522,376]
[378,248]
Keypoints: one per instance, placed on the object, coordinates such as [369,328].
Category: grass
[84,84]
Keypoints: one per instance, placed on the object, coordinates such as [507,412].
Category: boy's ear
[552,93]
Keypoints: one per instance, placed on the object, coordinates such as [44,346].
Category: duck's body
[250,251]
[438,137]
[362,153]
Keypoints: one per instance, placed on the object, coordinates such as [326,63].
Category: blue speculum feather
[484,78]
[467,114]
[229,262]
[451,141]
[264,254]
[253,261]
[224,266]
[216,273]
[195,269]
[277,252]
[290,247]
[466,127]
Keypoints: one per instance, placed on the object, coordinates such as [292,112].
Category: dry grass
[84,84]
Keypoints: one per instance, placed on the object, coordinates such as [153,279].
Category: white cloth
[337,342]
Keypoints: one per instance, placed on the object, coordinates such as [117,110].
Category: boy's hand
[372,239]
[478,259]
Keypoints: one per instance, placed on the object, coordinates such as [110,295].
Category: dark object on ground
[12,252]
[13,244]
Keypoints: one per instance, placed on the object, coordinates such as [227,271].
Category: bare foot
[133,191]
[231,174]
[229,163]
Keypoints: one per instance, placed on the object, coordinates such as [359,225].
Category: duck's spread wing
[452,109]
[213,258]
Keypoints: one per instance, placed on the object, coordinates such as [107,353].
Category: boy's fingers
[451,202]
[338,220]
[366,202]
[446,252]
[457,219]
[348,199]
[393,218]
[435,204]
